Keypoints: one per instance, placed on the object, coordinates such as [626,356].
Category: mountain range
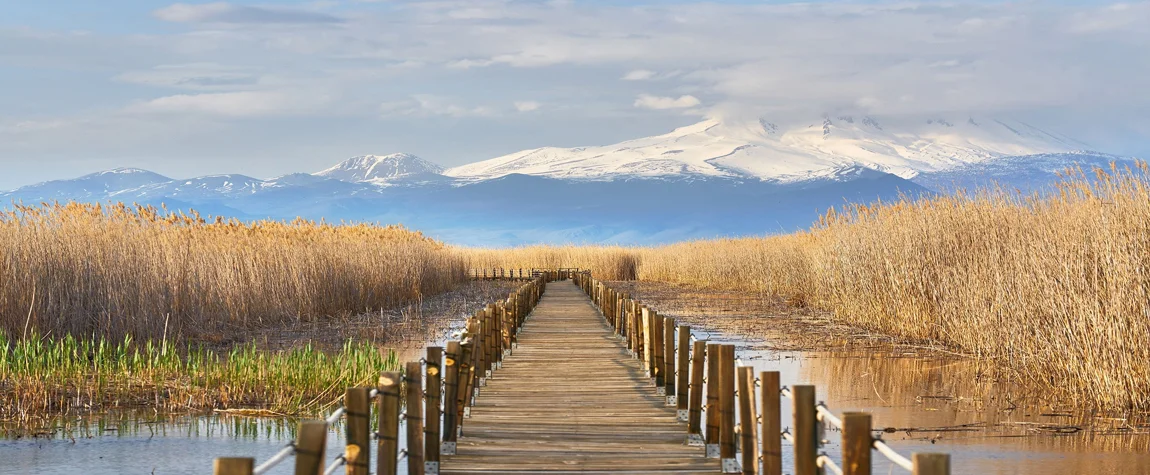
[713,178]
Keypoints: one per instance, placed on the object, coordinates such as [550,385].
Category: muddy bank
[922,397]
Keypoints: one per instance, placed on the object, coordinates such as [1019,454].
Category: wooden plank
[571,399]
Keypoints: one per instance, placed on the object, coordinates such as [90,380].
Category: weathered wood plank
[571,399]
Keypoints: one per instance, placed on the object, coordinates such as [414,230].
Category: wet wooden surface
[570,399]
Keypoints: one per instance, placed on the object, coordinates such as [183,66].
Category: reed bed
[1052,286]
[605,262]
[116,271]
[44,377]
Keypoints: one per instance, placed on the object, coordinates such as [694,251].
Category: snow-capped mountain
[384,170]
[713,178]
[765,150]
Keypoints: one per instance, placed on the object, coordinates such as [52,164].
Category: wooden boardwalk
[571,399]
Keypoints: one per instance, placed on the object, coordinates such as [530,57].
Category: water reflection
[130,443]
[940,404]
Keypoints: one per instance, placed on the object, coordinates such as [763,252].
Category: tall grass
[610,263]
[119,270]
[43,377]
[1054,286]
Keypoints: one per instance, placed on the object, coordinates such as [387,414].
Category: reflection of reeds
[45,377]
[119,270]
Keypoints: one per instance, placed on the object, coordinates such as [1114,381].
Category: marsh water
[929,404]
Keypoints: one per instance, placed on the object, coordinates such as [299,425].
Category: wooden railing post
[310,444]
[669,360]
[358,431]
[683,377]
[413,398]
[727,443]
[749,443]
[450,397]
[713,423]
[930,464]
[806,431]
[234,466]
[695,408]
[658,365]
[388,424]
[466,382]
[431,414]
[771,428]
[856,443]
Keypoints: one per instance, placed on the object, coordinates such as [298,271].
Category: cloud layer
[509,74]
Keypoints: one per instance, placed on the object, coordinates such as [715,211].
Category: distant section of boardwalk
[571,399]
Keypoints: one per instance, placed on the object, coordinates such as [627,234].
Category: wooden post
[806,432]
[658,364]
[413,398]
[388,424]
[771,428]
[669,360]
[683,378]
[749,441]
[466,382]
[727,443]
[358,430]
[713,424]
[234,466]
[931,464]
[451,396]
[310,444]
[856,443]
[695,407]
[645,341]
[432,412]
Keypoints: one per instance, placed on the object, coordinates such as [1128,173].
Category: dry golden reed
[87,270]
[1053,286]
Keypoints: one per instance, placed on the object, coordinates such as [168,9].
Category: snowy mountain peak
[779,150]
[382,168]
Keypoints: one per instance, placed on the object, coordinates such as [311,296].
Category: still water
[930,404]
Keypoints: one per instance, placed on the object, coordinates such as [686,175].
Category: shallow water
[983,425]
[186,445]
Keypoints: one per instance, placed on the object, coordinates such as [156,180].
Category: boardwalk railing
[686,369]
[715,398]
[452,378]
[505,273]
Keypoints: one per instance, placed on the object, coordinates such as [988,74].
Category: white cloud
[222,12]
[197,76]
[237,104]
[647,101]
[526,106]
[427,105]
[638,75]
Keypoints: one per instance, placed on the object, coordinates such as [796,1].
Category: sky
[274,87]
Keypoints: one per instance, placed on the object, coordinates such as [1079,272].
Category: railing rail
[758,437]
[453,377]
[734,415]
